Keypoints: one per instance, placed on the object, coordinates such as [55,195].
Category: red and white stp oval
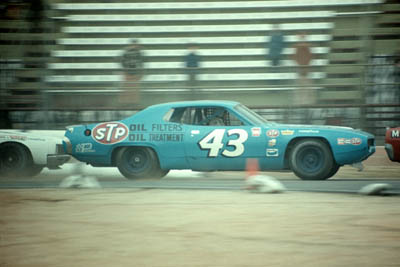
[108,133]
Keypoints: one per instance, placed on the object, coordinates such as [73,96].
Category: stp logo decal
[108,133]
[272,133]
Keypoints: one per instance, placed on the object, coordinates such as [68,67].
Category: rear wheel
[311,159]
[137,162]
[160,173]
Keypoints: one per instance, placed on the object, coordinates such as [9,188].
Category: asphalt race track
[111,178]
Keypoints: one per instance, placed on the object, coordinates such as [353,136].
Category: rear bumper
[54,161]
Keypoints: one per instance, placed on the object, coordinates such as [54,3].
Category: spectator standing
[304,95]
[275,45]
[132,63]
[192,64]
[303,56]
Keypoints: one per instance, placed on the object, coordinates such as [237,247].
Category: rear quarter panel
[146,128]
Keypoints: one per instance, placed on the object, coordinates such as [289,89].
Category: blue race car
[214,136]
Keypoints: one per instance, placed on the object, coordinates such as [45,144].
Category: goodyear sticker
[287,132]
[310,131]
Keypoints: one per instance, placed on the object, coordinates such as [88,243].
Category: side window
[216,116]
[220,116]
[187,117]
[182,115]
[234,121]
[174,115]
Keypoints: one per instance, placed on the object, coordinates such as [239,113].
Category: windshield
[250,115]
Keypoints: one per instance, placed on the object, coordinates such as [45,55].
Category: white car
[26,154]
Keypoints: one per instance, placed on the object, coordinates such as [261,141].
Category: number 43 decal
[213,142]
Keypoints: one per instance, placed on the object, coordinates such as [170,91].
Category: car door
[221,147]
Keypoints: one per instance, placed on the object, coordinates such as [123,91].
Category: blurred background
[330,62]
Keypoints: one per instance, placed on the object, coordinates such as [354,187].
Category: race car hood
[335,134]
[315,128]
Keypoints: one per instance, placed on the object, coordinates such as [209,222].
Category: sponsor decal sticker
[343,141]
[15,137]
[256,131]
[21,138]
[309,131]
[287,132]
[272,152]
[356,141]
[37,139]
[349,141]
[84,148]
[272,142]
[273,133]
[108,133]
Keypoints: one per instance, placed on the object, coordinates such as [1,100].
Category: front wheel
[136,162]
[311,159]
[34,170]
[333,171]
[15,160]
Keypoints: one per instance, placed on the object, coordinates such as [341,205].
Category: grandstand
[231,36]
[85,39]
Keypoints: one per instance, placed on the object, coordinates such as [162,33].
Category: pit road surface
[156,227]
[136,227]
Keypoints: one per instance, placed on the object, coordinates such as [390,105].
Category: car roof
[195,103]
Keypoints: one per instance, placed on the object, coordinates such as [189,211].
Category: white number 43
[213,142]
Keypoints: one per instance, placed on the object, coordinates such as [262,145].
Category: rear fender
[116,149]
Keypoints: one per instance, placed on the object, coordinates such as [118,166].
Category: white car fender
[39,146]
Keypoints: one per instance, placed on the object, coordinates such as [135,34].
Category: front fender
[351,149]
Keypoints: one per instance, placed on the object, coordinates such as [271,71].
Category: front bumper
[54,161]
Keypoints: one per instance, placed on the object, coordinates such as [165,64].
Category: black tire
[160,173]
[15,160]
[34,170]
[311,159]
[137,162]
[333,171]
